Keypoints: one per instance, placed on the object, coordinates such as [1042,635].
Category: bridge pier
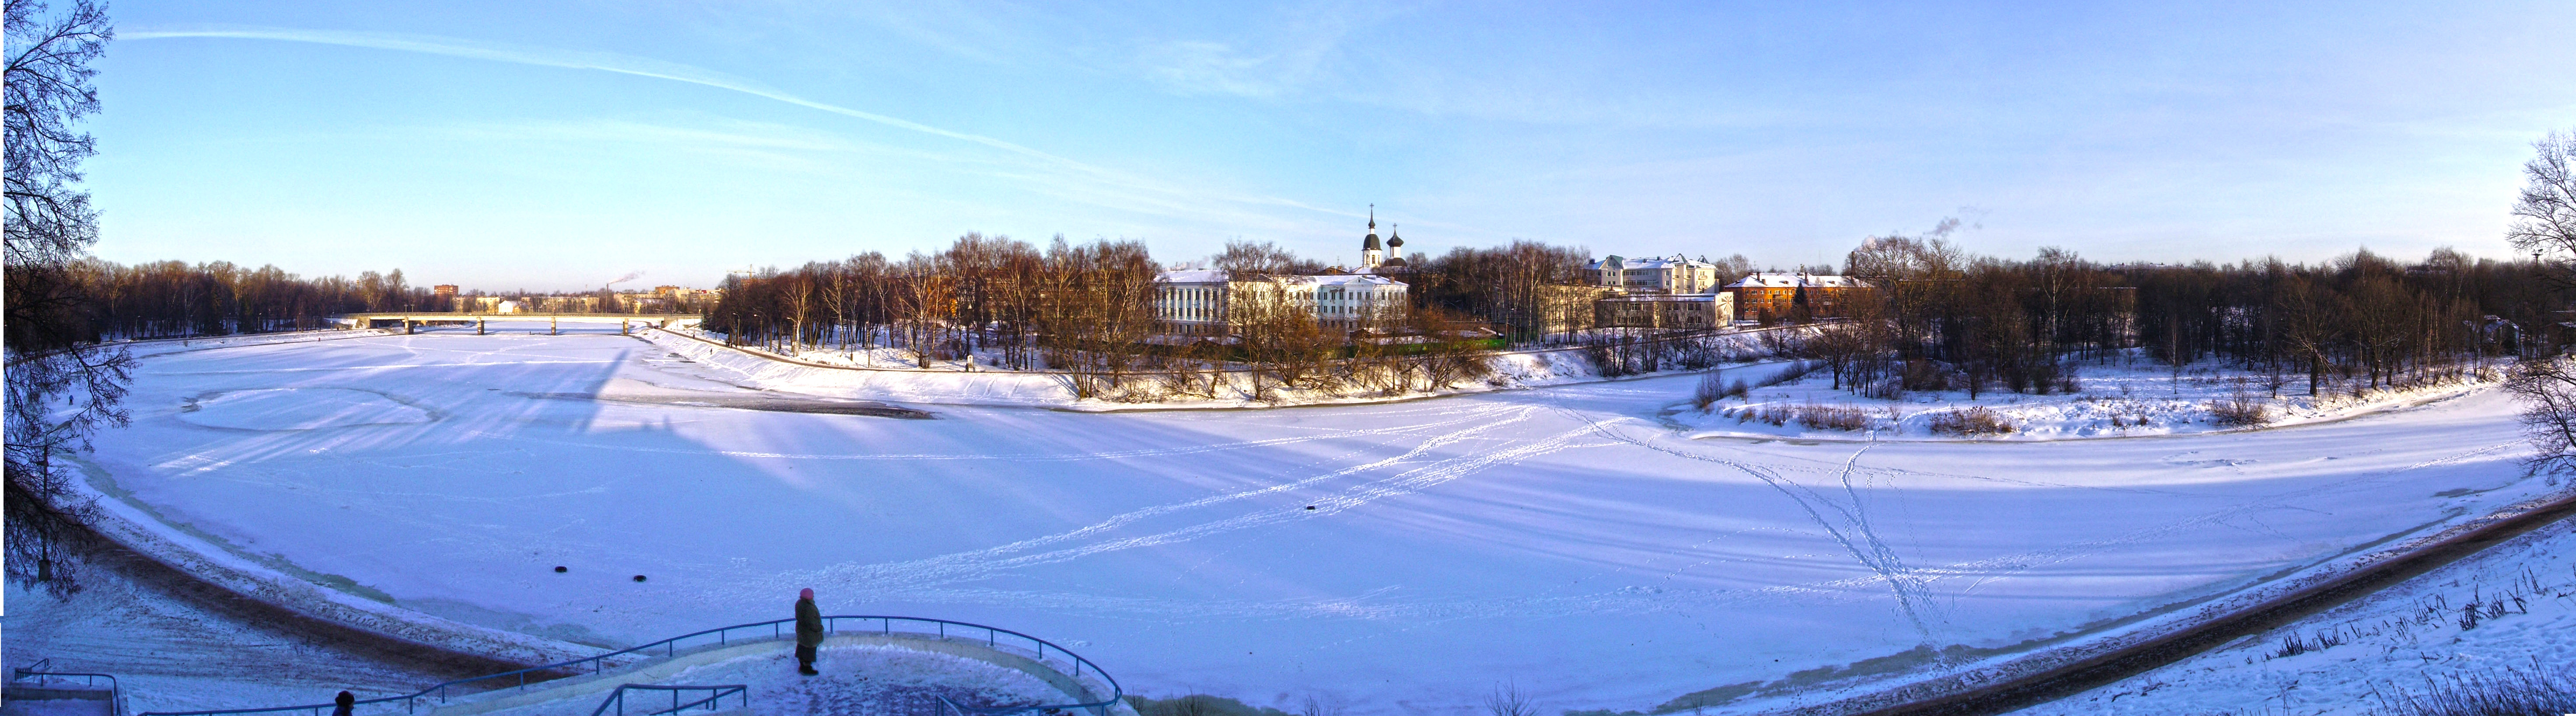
[407,326]
[478,326]
[621,327]
[550,326]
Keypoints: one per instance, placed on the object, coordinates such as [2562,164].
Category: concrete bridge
[411,321]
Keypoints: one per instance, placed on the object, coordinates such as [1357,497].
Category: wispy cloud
[1293,53]
[585,60]
[1095,184]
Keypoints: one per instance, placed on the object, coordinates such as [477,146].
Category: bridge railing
[839,623]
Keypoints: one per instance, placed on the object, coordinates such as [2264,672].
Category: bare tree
[61,386]
[1507,699]
[2545,225]
[2545,215]
[2547,387]
[1262,258]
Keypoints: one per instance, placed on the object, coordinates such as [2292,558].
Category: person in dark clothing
[809,632]
[344,703]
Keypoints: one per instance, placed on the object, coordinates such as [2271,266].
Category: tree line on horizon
[1937,317]
[108,301]
[1943,318]
[1085,310]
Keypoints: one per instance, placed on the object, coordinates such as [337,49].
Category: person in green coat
[809,631]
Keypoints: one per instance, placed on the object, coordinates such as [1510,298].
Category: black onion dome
[1370,243]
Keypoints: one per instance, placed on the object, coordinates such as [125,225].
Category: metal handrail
[115,691]
[670,647]
[618,697]
[946,706]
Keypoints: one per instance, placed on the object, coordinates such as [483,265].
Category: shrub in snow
[1972,421]
[2240,409]
[1711,388]
[1827,417]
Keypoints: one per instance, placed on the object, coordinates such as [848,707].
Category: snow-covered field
[1400,557]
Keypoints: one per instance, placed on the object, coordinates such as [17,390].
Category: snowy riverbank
[2124,398]
[816,373]
[2505,610]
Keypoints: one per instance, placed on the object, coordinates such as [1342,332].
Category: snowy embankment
[327,597]
[766,372]
[2502,614]
[809,374]
[2122,399]
[164,346]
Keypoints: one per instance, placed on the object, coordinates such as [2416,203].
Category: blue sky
[509,145]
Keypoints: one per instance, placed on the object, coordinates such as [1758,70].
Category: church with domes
[1381,257]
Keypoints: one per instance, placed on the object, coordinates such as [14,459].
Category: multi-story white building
[1206,302]
[1661,274]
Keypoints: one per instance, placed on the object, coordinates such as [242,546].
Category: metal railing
[950,707]
[618,698]
[115,692]
[519,679]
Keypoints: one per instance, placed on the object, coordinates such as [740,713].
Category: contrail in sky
[658,69]
[580,60]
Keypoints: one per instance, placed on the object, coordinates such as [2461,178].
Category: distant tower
[1372,253]
[1394,243]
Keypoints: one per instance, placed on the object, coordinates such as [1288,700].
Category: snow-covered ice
[1398,557]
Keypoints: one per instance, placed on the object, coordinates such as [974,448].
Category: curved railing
[723,635]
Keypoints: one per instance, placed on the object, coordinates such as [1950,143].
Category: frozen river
[1395,557]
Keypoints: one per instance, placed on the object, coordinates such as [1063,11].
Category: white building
[1192,301]
[1661,274]
[1203,302]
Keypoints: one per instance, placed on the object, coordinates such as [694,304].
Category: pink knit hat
[807,594]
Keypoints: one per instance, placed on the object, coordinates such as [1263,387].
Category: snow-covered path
[1397,557]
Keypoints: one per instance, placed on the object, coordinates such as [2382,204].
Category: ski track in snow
[1912,587]
[900,577]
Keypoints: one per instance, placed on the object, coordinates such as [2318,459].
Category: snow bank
[871,380]
[2117,400]
[166,346]
[767,372]
[134,526]
[2510,607]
